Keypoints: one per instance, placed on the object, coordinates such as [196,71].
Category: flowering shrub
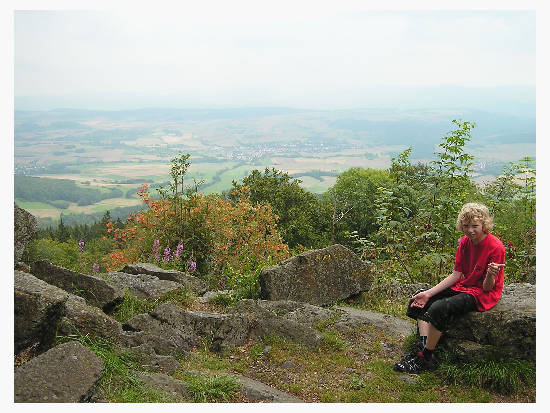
[198,232]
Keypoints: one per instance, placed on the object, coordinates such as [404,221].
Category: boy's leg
[433,337]
[423,328]
[440,314]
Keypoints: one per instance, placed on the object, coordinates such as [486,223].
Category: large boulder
[142,286]
[96,291]
[507,330]
[319,277]
[25,226]
[397,291]
[38,309]
[299,321]
[67,373]
[194,284]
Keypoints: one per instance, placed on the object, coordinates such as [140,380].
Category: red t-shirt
[472,261]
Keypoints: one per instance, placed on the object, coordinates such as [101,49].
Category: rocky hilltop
[51,301]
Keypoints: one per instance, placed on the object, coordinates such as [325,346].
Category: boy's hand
[420,299]
[493,268]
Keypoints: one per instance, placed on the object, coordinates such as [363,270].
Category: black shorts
[444,308]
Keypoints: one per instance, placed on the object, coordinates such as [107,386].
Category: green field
[125,149]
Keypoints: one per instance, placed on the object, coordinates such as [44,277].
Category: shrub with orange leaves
[208,230]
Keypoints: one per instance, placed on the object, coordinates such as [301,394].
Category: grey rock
[394,290]
[212,295]
[38,309]
[142,286]
[313,315]
[25,227]
[509,328]
[288,364]
[317,277]
[150,360]
[353,317]
[95,290]
[408,378]
[258,391]
[184,330]
[66,373]
[264,322]
[164,338]
[83,319]
[176,390]
[302,313]
[223,330]
[194,284]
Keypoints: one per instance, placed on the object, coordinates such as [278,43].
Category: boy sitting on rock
[475,285]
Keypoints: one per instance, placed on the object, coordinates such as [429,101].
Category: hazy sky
[268,54]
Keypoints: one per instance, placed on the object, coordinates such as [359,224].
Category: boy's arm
[420,299]
[447,282]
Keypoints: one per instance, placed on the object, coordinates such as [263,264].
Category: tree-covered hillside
[56,191]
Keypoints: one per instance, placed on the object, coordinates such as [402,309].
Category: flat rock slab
[96,291]
[353,317]
[194,284]
[255,390]
[142,286]
[66,373]
[38,309]
[318,277]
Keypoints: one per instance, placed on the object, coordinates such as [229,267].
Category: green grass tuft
[501,376]
[211,389]
[132,306]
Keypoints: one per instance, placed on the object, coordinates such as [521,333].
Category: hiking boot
[415,364]
[413,351]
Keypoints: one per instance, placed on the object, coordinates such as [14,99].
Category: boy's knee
[437,315]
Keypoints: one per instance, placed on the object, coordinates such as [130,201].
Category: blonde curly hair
[473,211]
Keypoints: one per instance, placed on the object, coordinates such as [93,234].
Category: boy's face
[474,230]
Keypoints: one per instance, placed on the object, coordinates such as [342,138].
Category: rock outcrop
[186,329]
[38,310]
[96,291]
[192,283]
[84,320]
[158,337]
[25,226]
[143,286]
[506,330]
[66,373]
[319,277]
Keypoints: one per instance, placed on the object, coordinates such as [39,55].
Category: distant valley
[113,152]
